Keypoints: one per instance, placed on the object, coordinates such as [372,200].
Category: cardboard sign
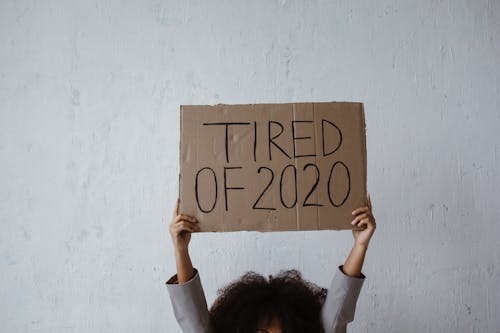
[269,167]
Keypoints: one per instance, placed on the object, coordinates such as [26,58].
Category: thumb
[176,209]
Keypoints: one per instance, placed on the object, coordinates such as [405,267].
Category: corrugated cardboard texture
[270,167]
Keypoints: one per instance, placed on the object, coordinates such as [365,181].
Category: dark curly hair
[252,300]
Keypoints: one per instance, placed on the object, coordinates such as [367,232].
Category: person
[284,303]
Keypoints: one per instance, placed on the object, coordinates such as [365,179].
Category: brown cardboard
[223,185]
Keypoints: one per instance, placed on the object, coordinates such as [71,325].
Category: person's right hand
[181,228]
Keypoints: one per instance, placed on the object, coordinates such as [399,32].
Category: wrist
[360,246]
[181,252]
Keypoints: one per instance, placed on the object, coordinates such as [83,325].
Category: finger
[186,218]
[369,223]
[360,210]
[181,228]
[186,226]
[359,218]
[363,223]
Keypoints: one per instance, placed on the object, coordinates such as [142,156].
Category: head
[285,303]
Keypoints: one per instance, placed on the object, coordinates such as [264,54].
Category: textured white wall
[89,111]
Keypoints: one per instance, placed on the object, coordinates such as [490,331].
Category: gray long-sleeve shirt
[191,311]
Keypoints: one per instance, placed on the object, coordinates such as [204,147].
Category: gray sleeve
[340,303]
[190,305]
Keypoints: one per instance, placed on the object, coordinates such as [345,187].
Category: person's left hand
[364,217]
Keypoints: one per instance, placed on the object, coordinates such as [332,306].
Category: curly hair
[252,300]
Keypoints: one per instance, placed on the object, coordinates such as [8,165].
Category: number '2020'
[270,175]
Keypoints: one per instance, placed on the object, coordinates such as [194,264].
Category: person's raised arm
[180,230]
[340,304]
[185,289]
[362,217]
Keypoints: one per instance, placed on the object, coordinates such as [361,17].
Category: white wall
[89,111]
